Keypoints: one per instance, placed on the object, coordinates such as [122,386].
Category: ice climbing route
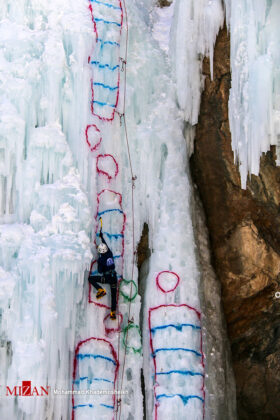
[175,339]
[71,129]
[107,351]
[176,349]
[107,166]
[175,354]
[107,19]
[93,137]
[96,364]
[96,358]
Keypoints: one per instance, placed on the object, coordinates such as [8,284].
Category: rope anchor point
[133,179]
[123,61]
[121,115]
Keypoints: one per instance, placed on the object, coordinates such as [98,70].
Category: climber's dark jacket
[105,261]
[106,268]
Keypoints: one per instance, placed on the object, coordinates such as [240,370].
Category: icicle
[194,29]
[254,105]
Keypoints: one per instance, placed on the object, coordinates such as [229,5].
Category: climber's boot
[100,293]
[113,315]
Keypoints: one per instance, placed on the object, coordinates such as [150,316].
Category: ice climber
[108,275]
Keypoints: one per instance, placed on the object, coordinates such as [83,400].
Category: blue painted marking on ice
[83,405]
[181,372]
[95,356]
[103,380]
[107,42]
[93,273]
[117,256]
[177,349]
[184,398]
[105,86]
[108,22]
[104,104]
[177,326]
[103,66]
[106,4]
[90,381]
[107,406]
[112,235]
[109,211]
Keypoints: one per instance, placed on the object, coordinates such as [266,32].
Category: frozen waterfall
[69,91]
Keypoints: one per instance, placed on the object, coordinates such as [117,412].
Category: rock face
[164,3]
[245,245]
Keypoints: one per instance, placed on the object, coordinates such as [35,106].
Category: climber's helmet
[102,248]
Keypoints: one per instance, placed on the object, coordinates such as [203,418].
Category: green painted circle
[124,295]
[125,332]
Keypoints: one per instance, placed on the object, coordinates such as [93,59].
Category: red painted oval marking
[93,137]
[161,283]
[107,165]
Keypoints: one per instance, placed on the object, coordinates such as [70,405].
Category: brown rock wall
[244,228]
[164,3]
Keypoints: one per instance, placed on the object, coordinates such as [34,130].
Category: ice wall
[194,29]
[187,41]
[44,209]
[173,359]
[64,162]
[108,354]
[254,103]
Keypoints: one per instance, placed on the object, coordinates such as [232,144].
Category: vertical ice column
[96,365]
[98,351]
[176,352]
[11,155]
[107,19]
[254,103]
[102,335]
[194,29]
[174,376]
[47,260]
